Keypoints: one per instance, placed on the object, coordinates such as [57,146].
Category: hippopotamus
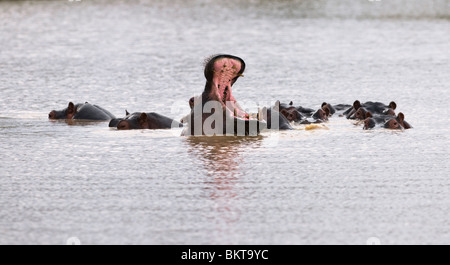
[301,115]
[296,114]
[270,115]
[373,107]
[328,108]
[397,123]
[142,120]
[387,121]
[322,114]
[335,108]
[371,120]
[81,111]
[292,115]
[401,119]
[216,112]
[304,112]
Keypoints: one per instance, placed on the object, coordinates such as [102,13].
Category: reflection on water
[79,122]
[221,157]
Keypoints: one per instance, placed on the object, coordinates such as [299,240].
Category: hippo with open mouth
[216,111]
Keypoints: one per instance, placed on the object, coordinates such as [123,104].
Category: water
[337,186]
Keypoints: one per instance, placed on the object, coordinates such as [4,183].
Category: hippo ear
[324,104]
[143,117]
[127,113]
[369,115]
[401,117]
[356,105]
[393,105]
[70,108]
[143,122]
[291,103]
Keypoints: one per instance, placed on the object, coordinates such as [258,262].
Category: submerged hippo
[373,107]
[339,108]
[321,115]
[276,120]
[216,112]
[301,115]
[142,120]
[81,111]
[386,121]
[304,112]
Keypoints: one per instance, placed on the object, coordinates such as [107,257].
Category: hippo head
[142,120]
[401,119]
[391,109]
[369,123]
[217,108]
[134,121]
[331,109]
[356,105]
[292,115]
[360,114]
[66,113]
[351,112]
[393,124]
[221,72]
[322,114]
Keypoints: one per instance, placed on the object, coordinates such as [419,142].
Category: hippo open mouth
[221,73]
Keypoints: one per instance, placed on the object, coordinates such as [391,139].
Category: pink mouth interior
[225,70]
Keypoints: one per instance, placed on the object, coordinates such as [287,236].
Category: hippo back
[161,121]
[92,112]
